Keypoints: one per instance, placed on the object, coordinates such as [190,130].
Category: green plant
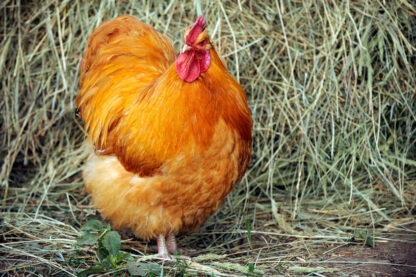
[251,272]
[367,239]
[181,267]
[108,244]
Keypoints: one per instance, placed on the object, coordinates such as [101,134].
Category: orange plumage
[167,151]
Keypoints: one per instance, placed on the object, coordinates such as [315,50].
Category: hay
[331,90]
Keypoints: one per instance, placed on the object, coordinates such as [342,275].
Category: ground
[394,255]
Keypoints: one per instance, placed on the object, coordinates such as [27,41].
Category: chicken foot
[168,246]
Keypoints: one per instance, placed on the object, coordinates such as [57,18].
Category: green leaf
[108,263]
[92,225]
[368,240]
[87,239]
[250,267]
[123,256]
[98,268]
[112,242]
[102,253]
[252,272]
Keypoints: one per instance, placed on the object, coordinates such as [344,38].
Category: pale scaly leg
[161,247]
[172,248]
[171,244]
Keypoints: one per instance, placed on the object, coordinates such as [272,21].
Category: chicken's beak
[186,48]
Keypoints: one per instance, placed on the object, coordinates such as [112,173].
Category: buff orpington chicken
[170,136]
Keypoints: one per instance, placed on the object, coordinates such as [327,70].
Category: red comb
[196,29]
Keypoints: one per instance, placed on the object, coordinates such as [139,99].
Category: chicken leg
[171,244]
[161,247]
[168,246]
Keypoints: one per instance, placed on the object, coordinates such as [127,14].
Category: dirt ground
[395,256]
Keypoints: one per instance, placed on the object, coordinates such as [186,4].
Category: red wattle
[192,63]
[205,61]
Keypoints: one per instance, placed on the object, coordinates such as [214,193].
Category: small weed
[108,244]
[252,272]
[181,267]
[365,237]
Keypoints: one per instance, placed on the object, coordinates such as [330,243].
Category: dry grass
[331,86]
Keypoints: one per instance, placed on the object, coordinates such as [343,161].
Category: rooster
[171,135]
